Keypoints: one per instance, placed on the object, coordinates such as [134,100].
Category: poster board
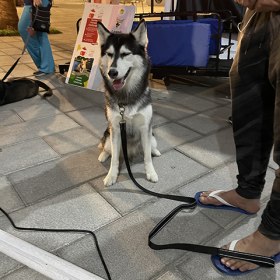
[83,70]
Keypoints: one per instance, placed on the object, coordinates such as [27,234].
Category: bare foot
[232,197]
[255,243]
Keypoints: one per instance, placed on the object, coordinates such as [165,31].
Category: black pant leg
[252,107]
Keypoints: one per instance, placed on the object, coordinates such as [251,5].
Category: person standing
[37,43]
[255,90]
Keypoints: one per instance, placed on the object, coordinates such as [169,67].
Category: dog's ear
[140,33]
[103,33]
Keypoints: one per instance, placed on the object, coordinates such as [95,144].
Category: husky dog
[125,66]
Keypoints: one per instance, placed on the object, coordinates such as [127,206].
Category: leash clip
[122,109]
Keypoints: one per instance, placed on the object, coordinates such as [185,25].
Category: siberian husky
[125,66]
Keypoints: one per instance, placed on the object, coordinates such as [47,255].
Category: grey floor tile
[192,102]
[92,118]
[80,208]
[126,251]
[66,99]
[171,135]
[34,128]
[41,181]
[171,275]
[71,140]
[212,150]
[7,265]
[9,199]
[36,111]
[24,274]
[209,121]
[171,111]
[18,156]
[8,117]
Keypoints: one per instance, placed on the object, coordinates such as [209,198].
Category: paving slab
[212,150]
[35,128]
[72,140]
[9,199]
[17,157]
[8,117]
[171,135]
[38,182]
[209,121]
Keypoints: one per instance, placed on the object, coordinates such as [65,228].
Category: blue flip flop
[225,206]
[216,260]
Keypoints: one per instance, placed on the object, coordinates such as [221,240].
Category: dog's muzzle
[117,84]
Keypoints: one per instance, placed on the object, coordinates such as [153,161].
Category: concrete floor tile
[34,128]
[18,156]
[71,140]
[53,177]
[92,118]
[24,274]
[7,265]
[9,199]
[36,111]
[212,150]
[80,208]
[171,111]
[170,275]
[67,100]
[125,252]
[8,117]
[171,135]
[209,121]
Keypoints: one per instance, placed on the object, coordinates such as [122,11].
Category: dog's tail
[48,90]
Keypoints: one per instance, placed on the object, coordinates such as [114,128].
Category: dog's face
[122,56]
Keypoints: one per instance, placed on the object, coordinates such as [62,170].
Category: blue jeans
[38,45]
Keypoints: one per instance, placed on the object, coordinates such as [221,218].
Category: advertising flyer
[83,69]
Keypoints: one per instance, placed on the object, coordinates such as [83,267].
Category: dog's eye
[125,54]
[109,54]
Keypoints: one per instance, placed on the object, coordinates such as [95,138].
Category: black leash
[63,230]
[191,203]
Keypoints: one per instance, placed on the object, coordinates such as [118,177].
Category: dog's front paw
[152,176]
[110,179]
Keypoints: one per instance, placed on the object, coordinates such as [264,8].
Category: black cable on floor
[64,230]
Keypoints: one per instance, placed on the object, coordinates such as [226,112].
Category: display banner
[83,70]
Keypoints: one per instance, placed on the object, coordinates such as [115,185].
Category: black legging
[254,80]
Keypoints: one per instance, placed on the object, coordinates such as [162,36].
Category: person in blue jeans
[37,44]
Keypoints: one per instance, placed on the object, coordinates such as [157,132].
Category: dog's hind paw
[103,156]
[152,176]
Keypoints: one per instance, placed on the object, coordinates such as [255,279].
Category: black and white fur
[125,67]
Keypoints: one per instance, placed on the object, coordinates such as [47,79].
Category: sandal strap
[215,195]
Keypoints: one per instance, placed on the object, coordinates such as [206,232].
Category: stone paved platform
[50,175]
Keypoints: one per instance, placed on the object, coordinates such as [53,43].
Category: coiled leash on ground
[63,230]
[189,203]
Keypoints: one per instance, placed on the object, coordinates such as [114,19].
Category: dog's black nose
[113,73]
